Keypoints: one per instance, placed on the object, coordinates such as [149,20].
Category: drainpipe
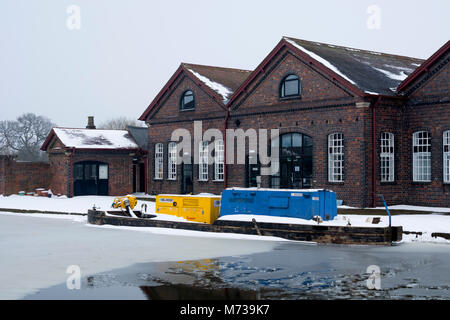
[227,115]
[70,184]
[374,152]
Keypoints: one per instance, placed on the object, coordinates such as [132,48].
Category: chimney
[90,124]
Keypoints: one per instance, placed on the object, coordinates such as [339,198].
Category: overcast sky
[126,50]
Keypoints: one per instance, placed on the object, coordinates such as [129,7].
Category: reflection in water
[185,292]
[290,272]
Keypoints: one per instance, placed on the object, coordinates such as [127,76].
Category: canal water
[289,271]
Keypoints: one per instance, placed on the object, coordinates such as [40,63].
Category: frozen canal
[117,264]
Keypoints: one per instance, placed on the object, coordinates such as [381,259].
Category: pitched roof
[140,135]
[92,139]
[224,81]
[425,66]
[371,72]
[219,82]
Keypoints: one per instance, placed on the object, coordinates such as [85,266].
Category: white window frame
[421,156]
[203,161]
[172,161]
[336,157]
[387,157]
[446,154]
[159,161]
[219,160]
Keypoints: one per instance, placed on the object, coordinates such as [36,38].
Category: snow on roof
[217,87]
[321,60]
[372,72]
[95,138]
[402,76]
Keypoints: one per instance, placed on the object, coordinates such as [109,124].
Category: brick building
[358,122]
[96,162]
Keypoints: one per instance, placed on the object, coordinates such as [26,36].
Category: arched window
[447,156]
[421,156]
[290,86]
[387,157]
[159,158]
[187,101]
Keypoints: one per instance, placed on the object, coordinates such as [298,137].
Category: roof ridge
[351,48]
[96,129]
[185,64]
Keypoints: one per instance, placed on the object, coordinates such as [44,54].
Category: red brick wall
[120,170]
[168,118]
[18,176]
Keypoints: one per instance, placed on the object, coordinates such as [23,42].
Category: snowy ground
[57,204]
[405,207]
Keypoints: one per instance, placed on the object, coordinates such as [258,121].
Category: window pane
[335,157]
[421,156]
[187,102]
[291,88]
[159,149]
[103,171]
[446,156]
[387,157]
[78,172]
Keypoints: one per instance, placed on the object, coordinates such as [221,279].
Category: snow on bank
[404,207]
[79,204]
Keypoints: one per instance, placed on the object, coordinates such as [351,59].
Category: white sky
[126,50]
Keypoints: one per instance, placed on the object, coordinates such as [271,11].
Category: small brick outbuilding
[94,161]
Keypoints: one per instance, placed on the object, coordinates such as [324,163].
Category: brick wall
[120,170]
[166,119]
[18,176]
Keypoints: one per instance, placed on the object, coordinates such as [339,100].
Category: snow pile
[400,77]
[217,87]
[95,138]
[79,204]
[321,60]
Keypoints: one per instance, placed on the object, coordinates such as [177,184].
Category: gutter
[374,152]
[225,177]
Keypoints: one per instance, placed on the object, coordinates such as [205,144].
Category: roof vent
[90,124]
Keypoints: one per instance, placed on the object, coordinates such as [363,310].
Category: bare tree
[25,136]
[120,123]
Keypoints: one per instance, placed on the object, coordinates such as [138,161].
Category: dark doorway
[295,166]
[253,170]
[134,178]
[138,177]
[90,178]
[187,178]
[142,177]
